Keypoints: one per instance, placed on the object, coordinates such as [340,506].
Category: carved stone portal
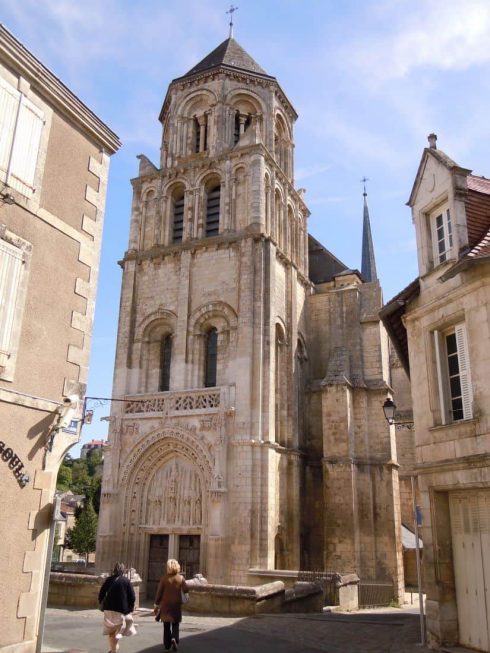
[175,495]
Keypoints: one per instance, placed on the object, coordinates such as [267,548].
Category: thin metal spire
[231,11]
[368,263]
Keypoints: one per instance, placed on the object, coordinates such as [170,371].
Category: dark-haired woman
[117,598]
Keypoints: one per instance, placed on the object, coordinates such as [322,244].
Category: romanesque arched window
[211,358]
[279,227]
[300,383]
[212,211]
[155,337]
[148,219]
[165,363]
[242,123]
[178,218]
[280,386]
[282,145]
[200,133]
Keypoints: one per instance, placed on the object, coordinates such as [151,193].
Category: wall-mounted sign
[9,456]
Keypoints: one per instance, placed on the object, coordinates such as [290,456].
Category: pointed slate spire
[368,264]
[228,54]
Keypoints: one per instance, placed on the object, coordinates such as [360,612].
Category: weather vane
[363,181]
[231,11]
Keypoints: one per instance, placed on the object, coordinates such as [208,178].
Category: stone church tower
[253,372]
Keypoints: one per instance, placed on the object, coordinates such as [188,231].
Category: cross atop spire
[368,263]
[231,11]
[363,181]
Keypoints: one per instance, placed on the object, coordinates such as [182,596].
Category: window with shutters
[178,220]
[212,211]
[453,374]
[21,124]
[14,263]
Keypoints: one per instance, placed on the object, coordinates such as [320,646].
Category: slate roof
[323,265]
[392,317]
[229,54]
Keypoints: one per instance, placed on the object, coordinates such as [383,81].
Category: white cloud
[441,34]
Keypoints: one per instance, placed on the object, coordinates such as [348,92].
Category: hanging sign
[15,464]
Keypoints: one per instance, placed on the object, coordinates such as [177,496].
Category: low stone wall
[340,590]
[80,590]
[303,597]
[235,600]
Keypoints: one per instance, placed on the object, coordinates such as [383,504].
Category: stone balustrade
[196,401]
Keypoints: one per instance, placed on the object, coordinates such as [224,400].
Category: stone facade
[54,158]
[252,363]
[446,315]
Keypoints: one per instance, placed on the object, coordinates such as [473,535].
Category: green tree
[83,534]
[96,490]
[94,459]
[65,478]
[80,477]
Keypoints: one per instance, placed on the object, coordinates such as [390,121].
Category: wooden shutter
[11,259]
[9,107]
[441,375]
[26,147]
[464,371]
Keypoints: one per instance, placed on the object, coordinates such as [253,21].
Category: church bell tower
[204,459]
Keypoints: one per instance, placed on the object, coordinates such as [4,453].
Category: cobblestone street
[374,631]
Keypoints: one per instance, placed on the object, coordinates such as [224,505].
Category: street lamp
[389,409]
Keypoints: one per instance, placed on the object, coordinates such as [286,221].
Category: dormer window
[442,235]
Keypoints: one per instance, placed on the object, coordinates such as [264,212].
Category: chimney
[432,138]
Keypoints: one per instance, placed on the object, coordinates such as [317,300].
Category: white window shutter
[26,146]
[11,259]
[9,106]
[441,375]
[464,371]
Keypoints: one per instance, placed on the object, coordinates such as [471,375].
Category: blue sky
[369,79]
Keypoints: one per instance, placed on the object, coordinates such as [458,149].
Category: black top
[118,593]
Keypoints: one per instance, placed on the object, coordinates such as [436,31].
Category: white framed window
[442,234]
[453,374]
[21,124]
[15,254]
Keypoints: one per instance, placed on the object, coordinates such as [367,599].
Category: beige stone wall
[59,226]
[453,455]
[360,498]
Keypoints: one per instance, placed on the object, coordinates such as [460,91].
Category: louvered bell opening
[178,225]
[236,131]
[212,213]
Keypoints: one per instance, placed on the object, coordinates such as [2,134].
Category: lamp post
[389,409]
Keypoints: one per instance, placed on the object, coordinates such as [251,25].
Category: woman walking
[117,598]
[168,603]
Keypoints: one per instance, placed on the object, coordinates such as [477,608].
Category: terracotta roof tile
[482,248]
[477,208]
[480,184]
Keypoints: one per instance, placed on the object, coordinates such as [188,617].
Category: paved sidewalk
[387,630]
